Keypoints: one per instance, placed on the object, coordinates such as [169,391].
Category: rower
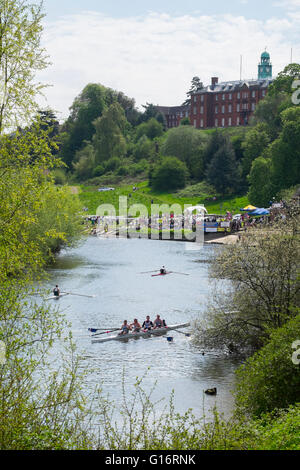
[148,324]
[56,291]
[125,328]
[135,326]
[163,270]
[159,323]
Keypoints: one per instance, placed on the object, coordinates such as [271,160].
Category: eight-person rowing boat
[142,333]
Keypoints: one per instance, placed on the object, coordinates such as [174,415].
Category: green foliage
[270,380]
[21,56]
[284,80]
[256,141]
[223,172]
[260,180]
[151,129]
[187,144]
[109,139]
[170,174]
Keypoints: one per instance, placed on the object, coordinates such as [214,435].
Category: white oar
[174,272]
[80,295]
[147,272]
[105,332]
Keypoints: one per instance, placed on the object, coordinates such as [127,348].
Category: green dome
[265,55]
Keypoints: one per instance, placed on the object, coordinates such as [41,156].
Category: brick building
[224,104]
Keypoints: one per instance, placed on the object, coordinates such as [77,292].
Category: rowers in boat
[143,333]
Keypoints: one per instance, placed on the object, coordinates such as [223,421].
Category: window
[264,92]
[245,106]
[201,123]
[195,110]
[223,96]
[238,121]
[216,109]
[217,97]
[245,95]
[229,121]
[223,109]
[253,94]
[230,108]
[230,96]
[238,107]
[238,95]
[195,99]
[253,107]
[195,123]
[201,109]
[223,122]
[216,122]
[202,98]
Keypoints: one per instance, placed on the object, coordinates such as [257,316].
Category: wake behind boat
[146,334]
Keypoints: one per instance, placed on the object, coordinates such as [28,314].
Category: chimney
[214,81]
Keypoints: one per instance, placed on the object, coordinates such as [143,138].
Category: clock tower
[265,66]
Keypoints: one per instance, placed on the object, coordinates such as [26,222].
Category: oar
[147,272]
[105,332]
[174,272]
[80,295]
[185,334]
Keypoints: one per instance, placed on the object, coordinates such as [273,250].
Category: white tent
[196,208]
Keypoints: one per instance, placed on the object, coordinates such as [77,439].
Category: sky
[151,50]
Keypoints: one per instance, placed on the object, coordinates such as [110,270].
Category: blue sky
[255,9]
[151,50]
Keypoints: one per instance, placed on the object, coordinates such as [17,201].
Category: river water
[111,269]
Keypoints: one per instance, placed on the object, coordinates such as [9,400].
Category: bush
[270,380]
[170,174]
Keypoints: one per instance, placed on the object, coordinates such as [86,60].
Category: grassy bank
[196,194]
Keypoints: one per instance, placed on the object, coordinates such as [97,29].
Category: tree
[21,56]
[223,172]
[256,141]
[151,129]
[109,139]
[169,174]
[79,127]
[187,144]
[196,85]
[261,189]
[284,80]
[263,294]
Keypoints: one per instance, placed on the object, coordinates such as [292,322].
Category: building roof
[235,85]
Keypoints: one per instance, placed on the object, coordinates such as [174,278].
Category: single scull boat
[146,334]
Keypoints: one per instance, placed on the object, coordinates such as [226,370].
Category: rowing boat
[145,334]
[56,297]
[161,274]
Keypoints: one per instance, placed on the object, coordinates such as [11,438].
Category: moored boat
[145,334]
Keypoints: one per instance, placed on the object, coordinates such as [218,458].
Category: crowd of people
[136,327]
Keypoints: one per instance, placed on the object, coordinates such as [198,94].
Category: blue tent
[259,211]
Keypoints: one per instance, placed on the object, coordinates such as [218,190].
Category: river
[111,269]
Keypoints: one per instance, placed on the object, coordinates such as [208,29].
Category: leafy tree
[169,174]
[255,142]
[270,380]
[109,139]
[196,85]
[79,127]
[285,151]
[223,171]
[84,163]
[151,129]
[187,144]
[144,149]
[284,80]
[261,188]
[263,271]
[21,56]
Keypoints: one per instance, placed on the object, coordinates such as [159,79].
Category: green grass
[196,194]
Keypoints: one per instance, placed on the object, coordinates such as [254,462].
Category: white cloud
[153,58]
